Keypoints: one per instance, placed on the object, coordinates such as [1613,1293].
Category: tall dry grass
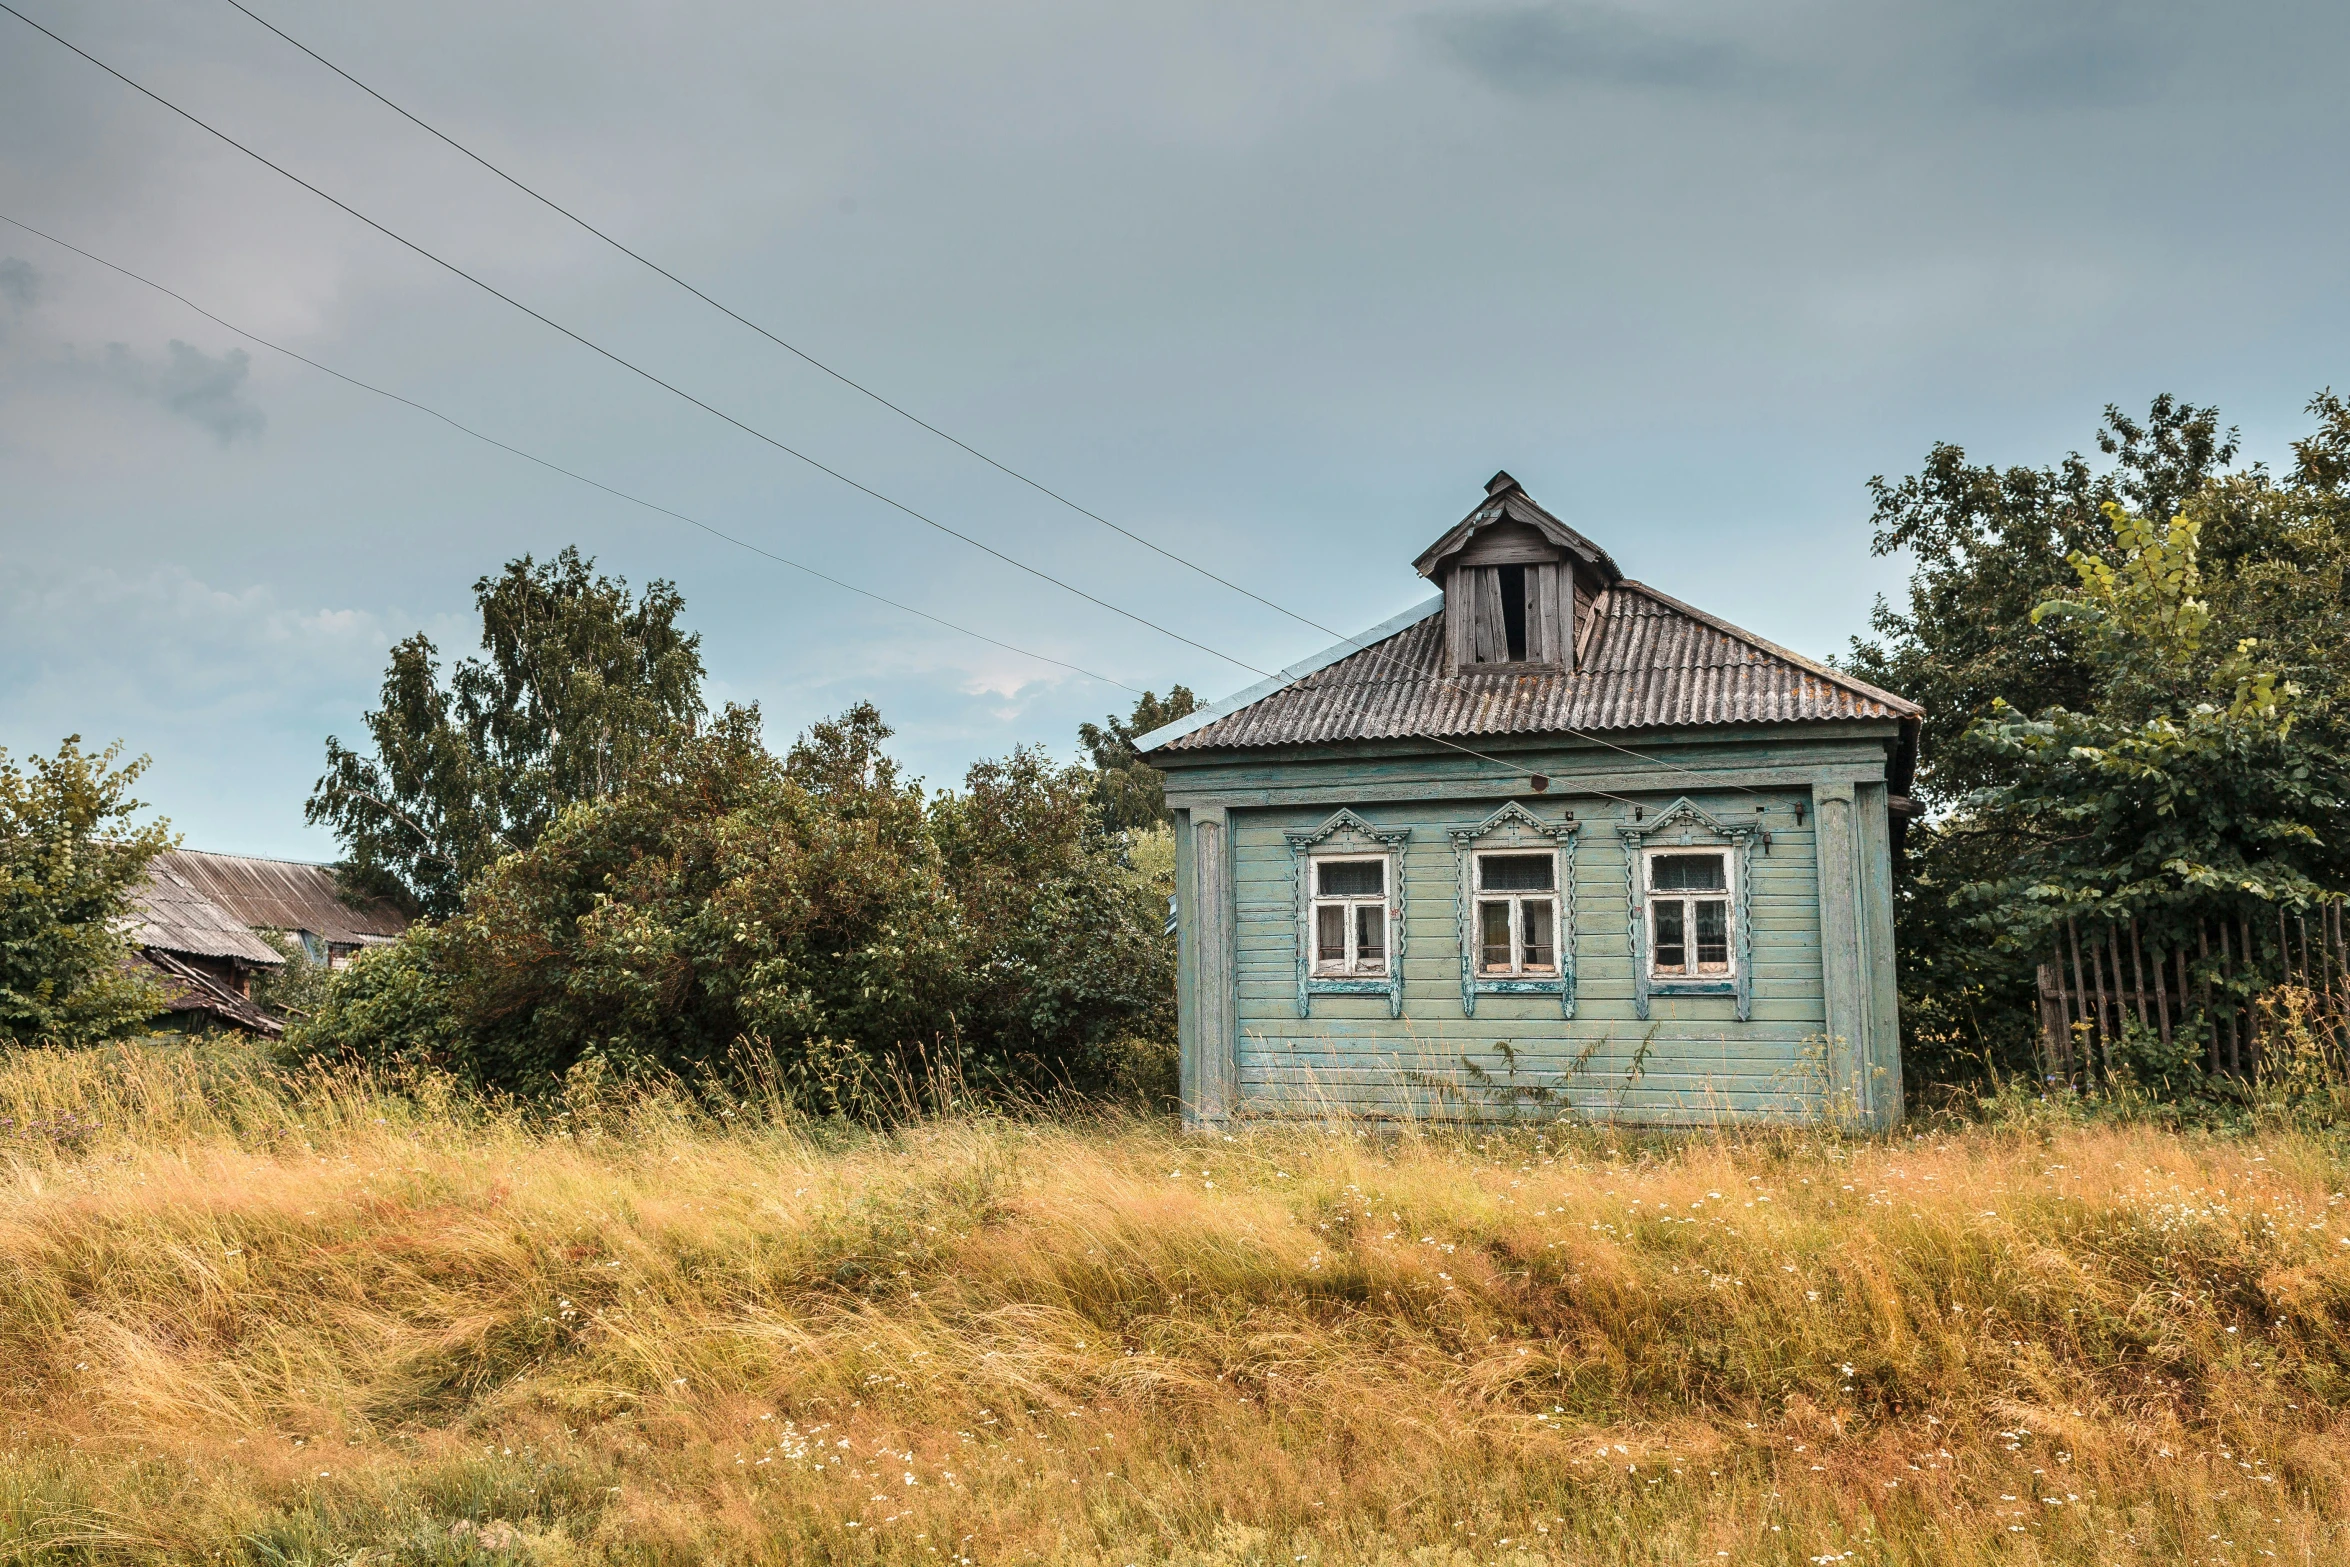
[259,1319]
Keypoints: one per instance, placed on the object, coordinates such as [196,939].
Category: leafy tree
[2134,684]
[1990,547]
[817,911]
[2185,784]
[1127,791]
[581,686]
[72,860]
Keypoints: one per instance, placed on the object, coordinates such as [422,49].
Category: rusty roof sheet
[1647,661]
[285,895]
[174,914]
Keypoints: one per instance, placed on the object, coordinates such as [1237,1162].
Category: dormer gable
[1512,574]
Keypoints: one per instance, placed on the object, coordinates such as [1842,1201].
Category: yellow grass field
[268,1320]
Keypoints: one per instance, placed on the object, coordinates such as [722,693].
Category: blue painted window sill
[1693,987]
[1349,987]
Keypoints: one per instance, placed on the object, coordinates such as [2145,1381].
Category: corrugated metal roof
[1648,661]
[176,915]
[210,905]
[286,895]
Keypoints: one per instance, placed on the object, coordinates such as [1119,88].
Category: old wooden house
[1550,844]
[205,925]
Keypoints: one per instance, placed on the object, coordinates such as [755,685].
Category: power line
[788,347]
[637,500]
[458,271]
[629,365]
[665,511]
[779,445]
[859,387]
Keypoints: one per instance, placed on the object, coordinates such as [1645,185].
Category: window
[1350,914]
[1689,914]
[1517,915]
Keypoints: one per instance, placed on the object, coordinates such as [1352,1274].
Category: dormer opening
[1516,581]
[1513,612]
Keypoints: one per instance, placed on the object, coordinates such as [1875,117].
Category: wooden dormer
[1513,576]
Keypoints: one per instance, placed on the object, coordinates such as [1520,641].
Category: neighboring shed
[1551,843]
[293,897]
[201,917]
[196,998]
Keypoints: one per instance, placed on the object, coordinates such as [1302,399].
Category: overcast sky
[1277,286]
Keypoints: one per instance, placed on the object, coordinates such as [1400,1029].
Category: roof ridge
[1824,671]
[264,859]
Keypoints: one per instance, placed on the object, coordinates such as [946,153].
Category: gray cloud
[1538,49]
[20,285]
[1277,285]
[195,385]
[2089,55]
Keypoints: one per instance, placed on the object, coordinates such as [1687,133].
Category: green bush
[814,917]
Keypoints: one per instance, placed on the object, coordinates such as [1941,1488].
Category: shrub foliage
[816,915]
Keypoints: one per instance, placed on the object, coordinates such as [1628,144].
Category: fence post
[2252,976]
[2080,990]
[2226,994]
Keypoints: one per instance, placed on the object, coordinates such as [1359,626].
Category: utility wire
[760,435]
[452,267]
[632,367]
[790,348]
[637,500]
[854,385]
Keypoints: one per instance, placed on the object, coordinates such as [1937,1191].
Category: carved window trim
[1346,834]
[1513,826]
[1683,824]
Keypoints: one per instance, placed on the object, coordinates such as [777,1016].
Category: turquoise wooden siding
[1691,1060]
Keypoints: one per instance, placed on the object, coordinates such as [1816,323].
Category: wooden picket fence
[2207,985]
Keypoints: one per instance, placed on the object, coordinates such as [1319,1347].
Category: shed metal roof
[288,895]
[1645,661]
[176,915]
[210,905]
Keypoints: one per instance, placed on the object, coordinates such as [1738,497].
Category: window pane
[1672,948]
[1534,917]
[1687,873]
[1370,936]
[1514,872]
[1351,878]
[1330,934]
[1713,934]
[1493,937]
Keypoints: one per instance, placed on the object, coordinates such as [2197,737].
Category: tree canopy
[73,856]
[817,912]
[1129,792]
[2135,685]
[580,686]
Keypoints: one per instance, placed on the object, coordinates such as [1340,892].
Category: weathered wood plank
[1214,1079]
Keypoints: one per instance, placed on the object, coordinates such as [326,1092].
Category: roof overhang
[1200,718]
[1505,501]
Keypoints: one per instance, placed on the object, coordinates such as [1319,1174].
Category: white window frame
[1517,901]
[1727,896]
[1352,966]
